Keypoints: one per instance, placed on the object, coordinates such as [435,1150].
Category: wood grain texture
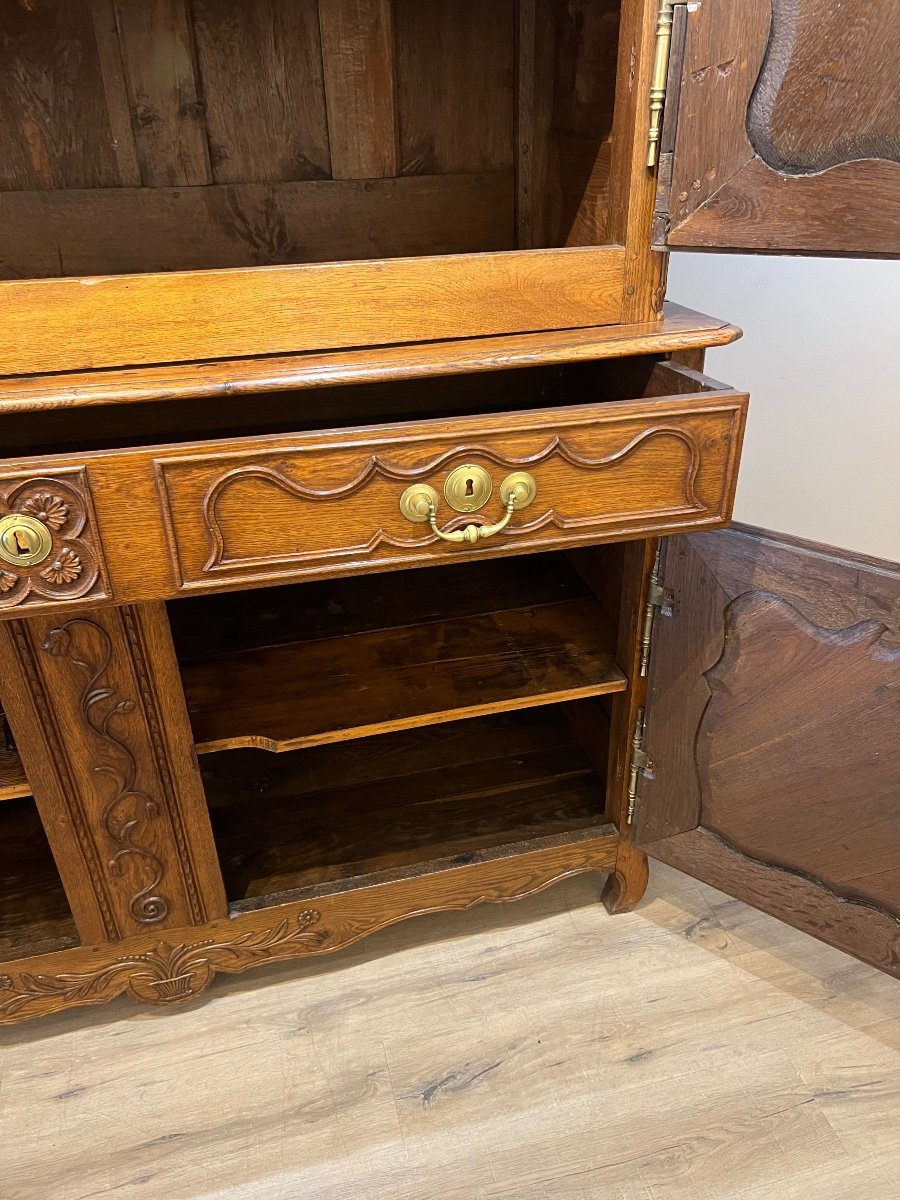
[678,328]
[308,693]
[360,90]
[454,73]
[58,130]
[632,194]
[747,147]
[185,964]
[68,325]
[34,912]
[228,514]
[162,79]
[418,803]
[264,90]
[134,230]
[231,516]
[13,782]
[113,779]
[787,666]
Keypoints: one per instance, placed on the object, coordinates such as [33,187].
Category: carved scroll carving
[74,568]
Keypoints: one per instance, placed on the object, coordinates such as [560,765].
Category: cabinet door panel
[788,128]
[773,733]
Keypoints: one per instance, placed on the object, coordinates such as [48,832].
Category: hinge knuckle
[639,761]
[658,84]
[656,598]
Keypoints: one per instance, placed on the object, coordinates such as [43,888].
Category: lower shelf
[34,914]
[402,804]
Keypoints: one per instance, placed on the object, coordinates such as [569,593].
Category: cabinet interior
[222,133]
[34,914]
[416,717]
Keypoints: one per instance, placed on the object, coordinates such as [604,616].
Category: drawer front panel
[330,503]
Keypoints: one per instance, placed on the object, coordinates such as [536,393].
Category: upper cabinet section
[782,127]
[378,170]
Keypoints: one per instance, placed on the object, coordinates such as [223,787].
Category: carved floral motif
[47,507]
[65,567]
[163,975]
[88,647]
[72,569]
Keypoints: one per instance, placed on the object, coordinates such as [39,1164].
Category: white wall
[820,357]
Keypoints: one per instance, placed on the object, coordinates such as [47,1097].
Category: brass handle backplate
[419,503]
[24,540]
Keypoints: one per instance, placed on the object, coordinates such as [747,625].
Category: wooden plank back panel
[53,112]
[72,324]
[455,85]
[252,224]
[358,54]
[157,42]
[264,91]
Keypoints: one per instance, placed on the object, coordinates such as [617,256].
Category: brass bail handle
[419,503]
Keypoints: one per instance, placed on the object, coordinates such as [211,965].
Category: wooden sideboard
[357,487]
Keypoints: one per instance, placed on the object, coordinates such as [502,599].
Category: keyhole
[22,546]
[470,487]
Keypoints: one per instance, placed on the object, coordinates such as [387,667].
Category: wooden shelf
[414,802]
[13,782]
[34,914]
[310,692]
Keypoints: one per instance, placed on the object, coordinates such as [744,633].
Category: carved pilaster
[116,786]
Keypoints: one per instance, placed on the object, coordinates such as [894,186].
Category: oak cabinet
[359,491]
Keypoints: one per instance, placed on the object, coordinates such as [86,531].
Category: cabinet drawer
[215,515]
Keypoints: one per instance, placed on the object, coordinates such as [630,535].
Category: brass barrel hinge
[656,598]
[639,761]
[660,74]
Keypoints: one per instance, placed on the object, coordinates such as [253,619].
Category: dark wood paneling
[360,88]
[774,727]
[168,116]
[52,233]
[788,129]
[263,88]
[455,85]
[55,124]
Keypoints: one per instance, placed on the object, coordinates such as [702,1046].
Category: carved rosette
[72,569]
[163,975]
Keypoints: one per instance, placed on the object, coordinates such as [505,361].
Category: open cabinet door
[782,127]
[772,733]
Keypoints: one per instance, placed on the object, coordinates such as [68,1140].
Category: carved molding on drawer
[377,466]
[73,570]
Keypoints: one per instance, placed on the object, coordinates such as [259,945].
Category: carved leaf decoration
[8,581]
[46,507]
[65,567]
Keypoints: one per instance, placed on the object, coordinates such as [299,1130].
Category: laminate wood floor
[694,1049]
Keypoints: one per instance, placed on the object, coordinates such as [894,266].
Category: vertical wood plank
[164,92]
[534,112]
[54,126]
[455,85]
[98,713]
[358,57]
[261,68]
[632,182]
[112,70]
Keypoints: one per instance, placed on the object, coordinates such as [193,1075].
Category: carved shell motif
[65,567]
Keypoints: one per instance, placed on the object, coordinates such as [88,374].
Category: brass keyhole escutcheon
[468,488]
[24,540]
